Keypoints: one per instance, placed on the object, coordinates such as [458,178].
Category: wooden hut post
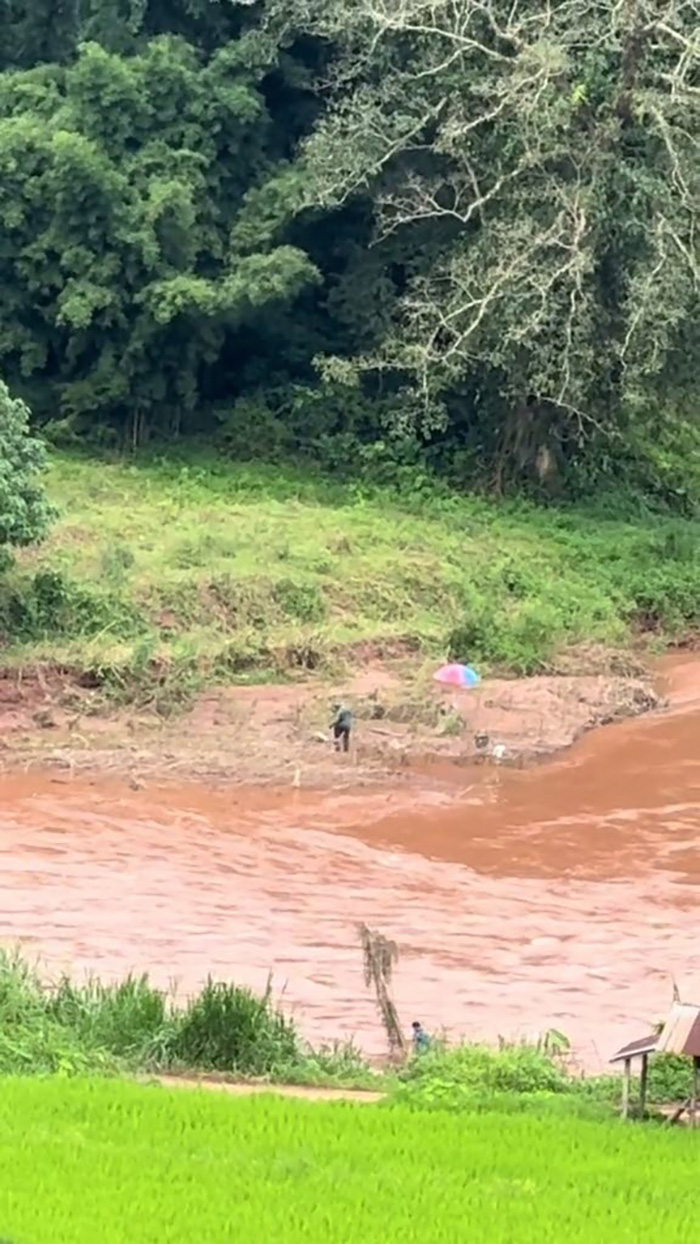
[626,1089]
[643,1085]
[694,1092]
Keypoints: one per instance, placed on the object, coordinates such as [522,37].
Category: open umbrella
[457,676]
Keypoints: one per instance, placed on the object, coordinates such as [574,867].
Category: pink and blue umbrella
[457,676]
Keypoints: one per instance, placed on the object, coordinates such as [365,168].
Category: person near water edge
[341,727]
[420,1038]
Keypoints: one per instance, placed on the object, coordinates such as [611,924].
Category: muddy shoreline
[278,735]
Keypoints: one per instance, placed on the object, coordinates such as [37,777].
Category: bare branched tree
[553,152]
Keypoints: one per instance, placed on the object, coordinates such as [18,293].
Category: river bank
[404,726]
[196,617]
[165,583]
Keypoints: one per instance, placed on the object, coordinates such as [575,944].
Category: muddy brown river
[562,896]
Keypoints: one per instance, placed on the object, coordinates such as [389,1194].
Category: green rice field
[88,1161]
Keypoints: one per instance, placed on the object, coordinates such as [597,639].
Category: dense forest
[460,232]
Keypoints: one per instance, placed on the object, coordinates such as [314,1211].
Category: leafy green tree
[120,183]
[24,512]
[457,230]
[540,164]
[36,31]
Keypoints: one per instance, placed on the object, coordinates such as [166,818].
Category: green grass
[204,571]
[90,1160]
[130,1026]
[522,1078]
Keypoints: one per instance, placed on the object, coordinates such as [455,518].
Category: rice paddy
[84,1160]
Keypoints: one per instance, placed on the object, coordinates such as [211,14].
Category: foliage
[48,605]
[469,1077]
[226,1028]
[386,234]
[670,1078]
[32,1040]
[189,1165]
[521,1078]
[515,1068]
[535,172]
[152,581]
[130,1019]
[24,513]
[72,1028]
[121,178]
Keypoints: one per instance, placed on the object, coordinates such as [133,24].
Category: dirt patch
[280,733]
[302,1093]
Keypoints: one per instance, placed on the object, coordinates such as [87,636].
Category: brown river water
[562,896]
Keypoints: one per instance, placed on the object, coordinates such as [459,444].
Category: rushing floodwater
[565,896]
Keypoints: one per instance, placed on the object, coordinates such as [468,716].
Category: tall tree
[33,32]
[120,185]
[543,161]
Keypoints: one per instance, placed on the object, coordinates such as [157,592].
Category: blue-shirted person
[421,1040]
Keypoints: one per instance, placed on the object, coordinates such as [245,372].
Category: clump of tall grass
[77,1027]
[133,1025]
[131,1019]
[32,1040]
[227,1028]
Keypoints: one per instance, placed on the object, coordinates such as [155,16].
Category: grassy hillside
[217,571]
[97,1160]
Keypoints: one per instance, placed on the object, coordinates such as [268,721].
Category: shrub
[32,1041]
[48,604]
[456,1078]
[128,1018]
[227,1028]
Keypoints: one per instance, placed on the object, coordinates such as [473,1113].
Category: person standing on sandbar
[341,727]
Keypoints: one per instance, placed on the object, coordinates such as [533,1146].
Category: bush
[300,602]
[48,604]
[32,1041]
[77,1028]
[25,514]
[226,1028]
[457,1078]
[522,640]
[129,1019]
[670,1078]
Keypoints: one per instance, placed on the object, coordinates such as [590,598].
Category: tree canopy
[460,229]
